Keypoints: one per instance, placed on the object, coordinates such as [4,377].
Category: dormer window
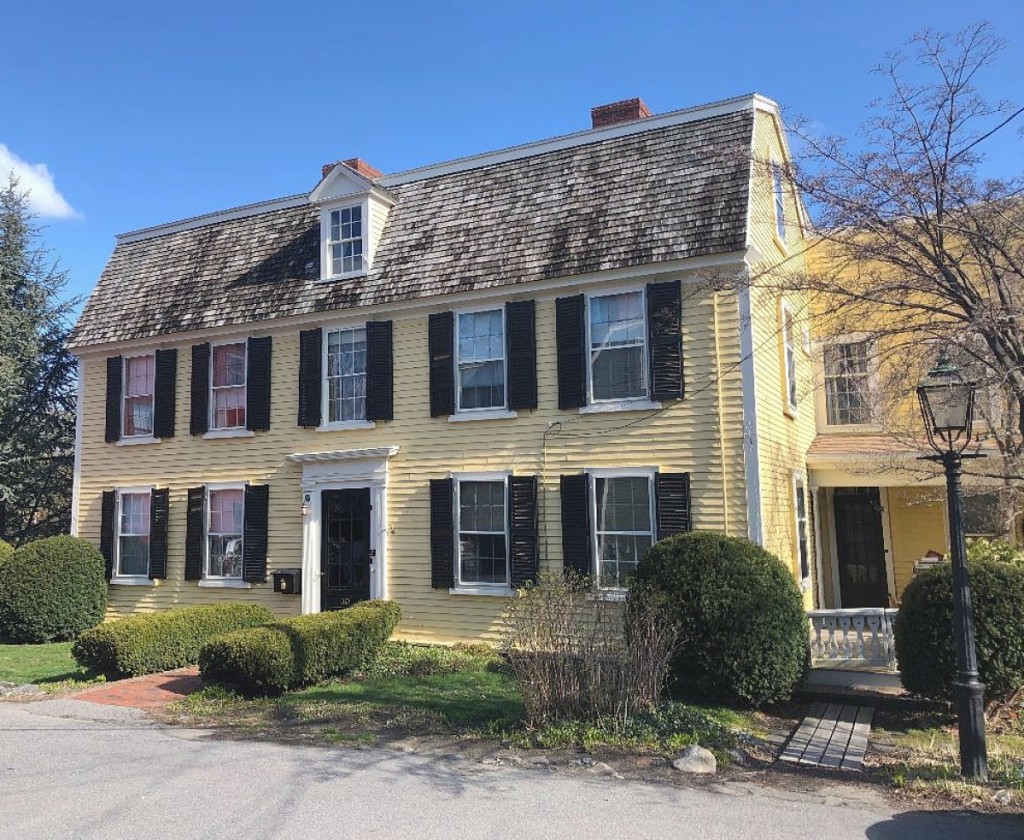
[345,244]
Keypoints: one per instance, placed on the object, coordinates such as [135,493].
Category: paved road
[107,773]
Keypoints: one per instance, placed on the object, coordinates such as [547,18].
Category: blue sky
[144,113]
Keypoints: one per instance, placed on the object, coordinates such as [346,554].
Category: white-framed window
[803,547]
[617,338]
[133,529]
[345,240]
[227,386]
[480,360]
[345,375]
[623,516]
[481,524]
[779,198]
[789,355]
[225,523]
[847,383]
[137,399]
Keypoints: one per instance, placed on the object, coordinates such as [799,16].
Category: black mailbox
[288,581]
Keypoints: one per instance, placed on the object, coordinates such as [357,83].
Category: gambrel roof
[659,190]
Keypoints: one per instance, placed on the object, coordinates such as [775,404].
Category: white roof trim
[343,455]
[211,218]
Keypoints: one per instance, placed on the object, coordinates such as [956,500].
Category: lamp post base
[970,707]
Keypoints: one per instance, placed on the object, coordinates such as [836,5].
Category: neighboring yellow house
[429,385]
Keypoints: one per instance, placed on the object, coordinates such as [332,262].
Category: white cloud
[36,179]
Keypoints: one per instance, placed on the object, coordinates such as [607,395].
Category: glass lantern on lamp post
[947,406]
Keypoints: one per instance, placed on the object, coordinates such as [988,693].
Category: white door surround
[347,469]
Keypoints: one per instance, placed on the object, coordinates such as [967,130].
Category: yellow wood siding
[917,524]
[701,435]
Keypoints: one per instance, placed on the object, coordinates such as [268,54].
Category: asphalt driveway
[73,769]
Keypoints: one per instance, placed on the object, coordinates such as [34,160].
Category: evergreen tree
[37,380]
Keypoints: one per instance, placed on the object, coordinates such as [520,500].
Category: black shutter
[158,535]
[310,376]
[521,341]
[257,385]
[571,341]
[442,534]
[441,337]
[199,422]
[380,371]
[672,498]
[665,339]
[115,372]
[576,551]
[522,526]
[254,541]
[164,393]
[107,510]
[195,528]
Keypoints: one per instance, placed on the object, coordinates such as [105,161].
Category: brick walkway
[150,692]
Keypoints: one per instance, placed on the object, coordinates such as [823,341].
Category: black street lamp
[947,405]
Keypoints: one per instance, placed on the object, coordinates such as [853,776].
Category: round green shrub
[925,640]
[743,634]
[255,661]
[6,551]
[51,590]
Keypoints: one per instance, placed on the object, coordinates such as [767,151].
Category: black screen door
[344,548]
[860,547]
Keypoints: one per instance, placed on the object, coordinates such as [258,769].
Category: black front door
[344,548]
[860,547]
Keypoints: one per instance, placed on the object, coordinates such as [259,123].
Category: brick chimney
[619,112]
[357,164]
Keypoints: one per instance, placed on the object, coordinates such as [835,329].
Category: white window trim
[617,403]
[614,593]
[220,580]
[236,432]
[779,198]
[128,440]
[798,481]
[492,412]
[325,236]
[220,431]
[790,406]
[116,576]
[872,380]
[325,402]
[464,588]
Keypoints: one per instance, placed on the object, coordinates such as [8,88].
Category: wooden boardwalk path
[833,735]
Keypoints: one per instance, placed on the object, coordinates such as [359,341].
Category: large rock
[696,760]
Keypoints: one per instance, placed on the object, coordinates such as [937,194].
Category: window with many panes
[800,506]
[228,386]
[139,374]
[624,526]
[618,347]
[482,527]
[132,534]
[345,243]
[789,355]
[846,383]
[346,375]
[224,528]
[480,365]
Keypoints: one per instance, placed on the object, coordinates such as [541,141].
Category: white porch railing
[853,638]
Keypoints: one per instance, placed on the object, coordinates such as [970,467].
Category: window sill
[619,405]
[213,434]
[780,242]
[225,583]
[140,440]
[487,414]
[491,593]
[346,424]
[617,596]
[790,412]
[349,275]
[132,581]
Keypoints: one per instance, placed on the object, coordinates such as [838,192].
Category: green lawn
[44,665]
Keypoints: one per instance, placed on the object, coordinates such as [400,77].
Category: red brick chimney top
[619,112]
[357,164]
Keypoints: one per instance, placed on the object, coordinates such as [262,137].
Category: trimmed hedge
[299,651]
[153,642]
[743,634]
[925,646]
[6,551]
[51,590]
